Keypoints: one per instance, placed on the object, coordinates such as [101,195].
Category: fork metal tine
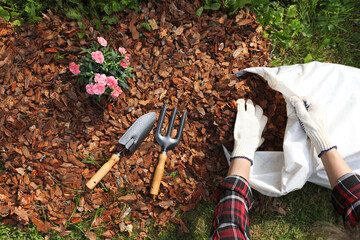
[181,127]
[161,121]
[171,123]
[167,142]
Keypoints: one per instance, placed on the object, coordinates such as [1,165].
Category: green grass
[306,30]
[199,221]
[306,211]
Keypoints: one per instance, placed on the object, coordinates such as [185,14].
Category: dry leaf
[91,235]
[128,198]
[53,135]
[40,225]
[22,214]
[166,204]
[108,234]
[281,211]
[153,24]
[245,22]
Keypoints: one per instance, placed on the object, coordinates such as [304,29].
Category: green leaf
[266,34]
[108,9]
[292,11]
[213,6]
[30,9]
[14,14]
[232,6]
[81,35]
[199,11]
[74,14]
[117,7]
[81,25]
[308,58]
[326,41]
[16,23]
[330,27]
[307,32]
[110,20]
[97,23]
[146,26]
[4,14]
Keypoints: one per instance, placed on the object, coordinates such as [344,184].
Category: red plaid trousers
[231,218]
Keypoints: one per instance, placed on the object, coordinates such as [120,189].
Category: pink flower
[111,82]
[98,57]
[74,68]
[117,91]
[98,89]
[100,79]
[89,88]
[125,63]
[102,41]
[122,50]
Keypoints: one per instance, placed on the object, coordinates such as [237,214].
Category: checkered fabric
[231,219]
[346,200]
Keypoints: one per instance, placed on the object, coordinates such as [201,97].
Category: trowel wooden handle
[158,175]
[102,172]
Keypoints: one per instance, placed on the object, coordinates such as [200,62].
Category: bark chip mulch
[50,130]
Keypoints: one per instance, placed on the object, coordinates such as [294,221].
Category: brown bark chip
[53,137]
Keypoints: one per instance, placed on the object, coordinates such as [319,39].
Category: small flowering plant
[103,70]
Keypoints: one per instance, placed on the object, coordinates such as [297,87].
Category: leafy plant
[209,5]
[31,10]
[110,20]
[228,6]
[81,33]
[20,11]
[103,70]
[305,30]
[232,6]
[4,14]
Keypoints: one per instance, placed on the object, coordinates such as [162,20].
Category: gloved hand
[311,119]
[249,125]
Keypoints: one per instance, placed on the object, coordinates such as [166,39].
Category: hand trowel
[131,140]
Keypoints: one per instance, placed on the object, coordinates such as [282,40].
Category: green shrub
[31,10]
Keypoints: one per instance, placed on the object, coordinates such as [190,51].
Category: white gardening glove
[311,120]
[249,125]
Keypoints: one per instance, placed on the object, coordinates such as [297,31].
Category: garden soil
[54,137]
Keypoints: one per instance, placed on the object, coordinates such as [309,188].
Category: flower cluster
[98,57]
[103,70]
[101,82]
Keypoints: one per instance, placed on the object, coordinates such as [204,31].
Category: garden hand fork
[167,143]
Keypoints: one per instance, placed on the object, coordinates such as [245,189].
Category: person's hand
[312,121]
[249,125]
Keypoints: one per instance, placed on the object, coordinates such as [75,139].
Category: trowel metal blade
[138,131]
[227,153]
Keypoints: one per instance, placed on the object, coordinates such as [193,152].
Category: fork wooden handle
[158,175]
[102,172]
